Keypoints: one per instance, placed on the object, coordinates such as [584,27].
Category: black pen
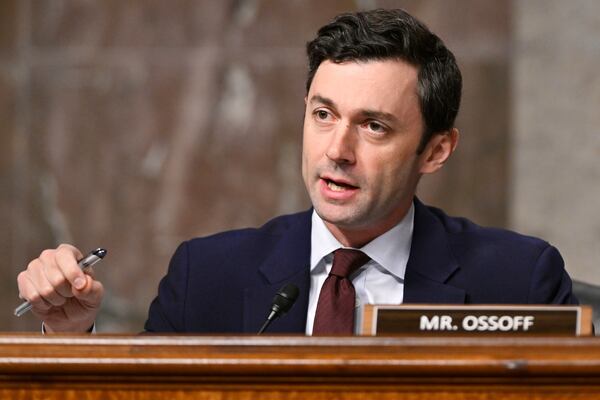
[84,263]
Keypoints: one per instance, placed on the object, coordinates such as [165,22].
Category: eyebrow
[317,98]
[366,113]
[380,115]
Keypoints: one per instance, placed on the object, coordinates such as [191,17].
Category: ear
[438,151]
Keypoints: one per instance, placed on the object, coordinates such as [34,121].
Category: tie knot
[346,261]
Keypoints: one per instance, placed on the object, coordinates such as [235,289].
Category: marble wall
[135,125]
[556,128]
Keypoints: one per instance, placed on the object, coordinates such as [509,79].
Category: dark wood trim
[245,366]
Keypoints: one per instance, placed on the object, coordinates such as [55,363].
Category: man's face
[362,128]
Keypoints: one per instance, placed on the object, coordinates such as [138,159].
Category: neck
[357,237]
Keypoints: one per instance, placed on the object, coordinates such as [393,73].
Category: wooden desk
[245,367]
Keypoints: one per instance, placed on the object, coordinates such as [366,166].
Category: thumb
[91,292]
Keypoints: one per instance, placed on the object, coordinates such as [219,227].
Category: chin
[339,217]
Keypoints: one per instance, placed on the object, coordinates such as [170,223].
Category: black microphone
[282,302]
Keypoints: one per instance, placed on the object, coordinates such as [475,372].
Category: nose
[341,148]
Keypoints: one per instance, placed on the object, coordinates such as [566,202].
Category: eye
[375,127]
[321,114]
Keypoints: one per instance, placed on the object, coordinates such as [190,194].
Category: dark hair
[395,34]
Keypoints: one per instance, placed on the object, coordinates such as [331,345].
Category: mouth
[338,186]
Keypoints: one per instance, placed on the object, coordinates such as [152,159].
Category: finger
[57,279]
[28,292]
[90,271]
[24,285]
[43,288]
[66,257]
[92,293]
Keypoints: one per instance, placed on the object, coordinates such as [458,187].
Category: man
[382,96]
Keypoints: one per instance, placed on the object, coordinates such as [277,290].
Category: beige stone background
[135,124]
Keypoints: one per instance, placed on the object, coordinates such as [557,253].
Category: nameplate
[476,320]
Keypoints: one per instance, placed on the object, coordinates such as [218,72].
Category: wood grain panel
[245,367]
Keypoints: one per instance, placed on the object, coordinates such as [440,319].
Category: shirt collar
[390,250]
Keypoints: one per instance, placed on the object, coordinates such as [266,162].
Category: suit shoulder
[481,247]
[502,266]
[462,229]
[270,231]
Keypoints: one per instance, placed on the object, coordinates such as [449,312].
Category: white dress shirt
[380,281]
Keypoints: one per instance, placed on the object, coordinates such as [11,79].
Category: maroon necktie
[335,309]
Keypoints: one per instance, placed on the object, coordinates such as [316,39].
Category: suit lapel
[431,262]
[288,262]
[430,265]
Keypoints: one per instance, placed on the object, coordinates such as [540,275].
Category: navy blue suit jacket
[225,283]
